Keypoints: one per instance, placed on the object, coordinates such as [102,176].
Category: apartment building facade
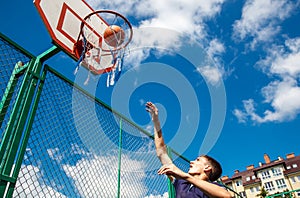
[277,176]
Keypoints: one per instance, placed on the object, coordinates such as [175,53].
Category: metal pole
[119,158]
[20,122]
[19,68]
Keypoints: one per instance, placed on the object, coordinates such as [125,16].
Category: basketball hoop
[102,42]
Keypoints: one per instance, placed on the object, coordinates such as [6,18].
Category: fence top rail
[11,42]
[283,193]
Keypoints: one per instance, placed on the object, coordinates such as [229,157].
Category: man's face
[198,165]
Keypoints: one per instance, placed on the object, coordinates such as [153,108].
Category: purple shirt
[185,189]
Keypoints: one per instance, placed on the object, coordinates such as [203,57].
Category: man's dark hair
[216,169]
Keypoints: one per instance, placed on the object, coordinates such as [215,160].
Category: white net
[102,43]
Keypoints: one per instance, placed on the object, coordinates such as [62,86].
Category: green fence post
[16,136]
[18,70]
[5,171]
[119,159]
[23,143]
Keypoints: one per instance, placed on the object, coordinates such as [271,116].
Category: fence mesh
[10,54]
[79,147]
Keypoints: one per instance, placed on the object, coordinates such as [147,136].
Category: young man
[203,171]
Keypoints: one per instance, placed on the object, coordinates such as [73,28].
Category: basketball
[114,35]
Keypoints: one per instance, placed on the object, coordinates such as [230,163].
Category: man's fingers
[149,104]
[150,107]
[162,171]
[165,169]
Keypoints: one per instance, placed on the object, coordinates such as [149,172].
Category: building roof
[291,165]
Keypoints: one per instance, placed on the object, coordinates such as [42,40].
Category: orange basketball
[114,35]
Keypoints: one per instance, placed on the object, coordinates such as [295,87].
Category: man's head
[206,165]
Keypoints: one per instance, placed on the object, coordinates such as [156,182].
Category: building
[275,176]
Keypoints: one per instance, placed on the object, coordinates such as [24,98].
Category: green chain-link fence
[10,54]
[73,145]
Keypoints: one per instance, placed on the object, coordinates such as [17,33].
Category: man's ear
[207,168]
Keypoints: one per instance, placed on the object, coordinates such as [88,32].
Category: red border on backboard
[64,9]
[37,4]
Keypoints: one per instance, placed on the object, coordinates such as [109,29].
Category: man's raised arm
[161,149]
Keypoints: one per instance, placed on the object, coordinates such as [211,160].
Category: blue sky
[227,70]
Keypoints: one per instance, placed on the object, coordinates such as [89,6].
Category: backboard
[64,20]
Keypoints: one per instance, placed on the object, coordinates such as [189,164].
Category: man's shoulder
[180,181]
[218,184]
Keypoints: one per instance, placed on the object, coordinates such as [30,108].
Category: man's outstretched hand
[171,170]
[152,109]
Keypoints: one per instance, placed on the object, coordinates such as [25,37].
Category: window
[265,175]
[252,190]
[298,178]
[288,167]
[280,183]
[253,177]
[238,183]
[294,165]
[243,194]
[293,179]
[269,186]
[247,178]
[276,171]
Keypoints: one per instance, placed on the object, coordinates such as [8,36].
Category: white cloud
[30,186]
[162,25]
[168,13]
[282,94]
[283,60]
[54,154]
[91,173]
[149,128]
[165,195]
[182,17]
[215,48]
[240,115]
[211,74]
[248,112]
[284,98]
[260,19]
[94,176]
